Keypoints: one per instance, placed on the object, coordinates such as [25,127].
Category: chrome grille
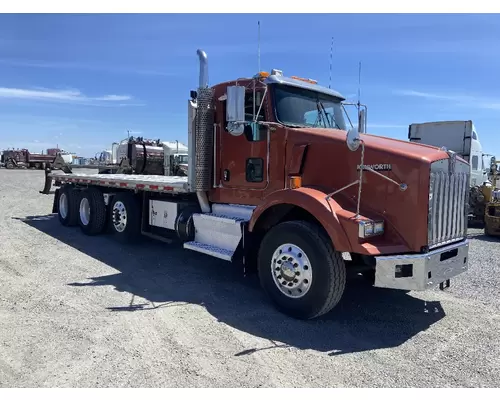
[448,203]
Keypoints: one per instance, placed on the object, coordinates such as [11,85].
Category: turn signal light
[295,182]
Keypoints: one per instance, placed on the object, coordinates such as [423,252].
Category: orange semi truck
[280,182]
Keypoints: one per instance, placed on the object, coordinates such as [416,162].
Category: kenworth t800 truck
[276,179]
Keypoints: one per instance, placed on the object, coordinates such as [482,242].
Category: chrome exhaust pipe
[203,83]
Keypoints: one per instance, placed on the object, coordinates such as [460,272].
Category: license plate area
[448,254]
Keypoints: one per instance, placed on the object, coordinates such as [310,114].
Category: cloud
[113,97]
[67,96]
[85,67]
[387,126]
[463,100]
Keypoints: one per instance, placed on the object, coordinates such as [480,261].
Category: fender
[313,201]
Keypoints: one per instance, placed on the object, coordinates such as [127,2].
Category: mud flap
[58,163]
[55,203]
[48,182]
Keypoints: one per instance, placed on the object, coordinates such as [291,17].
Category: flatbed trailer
[256,191]
[150,183]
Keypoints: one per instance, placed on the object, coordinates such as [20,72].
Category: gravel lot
[85,311]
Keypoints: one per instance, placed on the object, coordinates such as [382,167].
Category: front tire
[300,270]
[91,211]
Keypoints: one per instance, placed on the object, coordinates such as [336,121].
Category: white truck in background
[460,137]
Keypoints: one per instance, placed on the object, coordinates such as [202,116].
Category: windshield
[307,108]
[182,159]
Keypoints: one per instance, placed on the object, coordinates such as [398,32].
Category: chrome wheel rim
[119,216]
[63,205]
[85,211]
[291,270]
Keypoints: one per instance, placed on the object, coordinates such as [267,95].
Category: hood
[380,143]
[329,165]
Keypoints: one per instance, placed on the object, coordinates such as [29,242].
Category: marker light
[295,182]
[312,81]
[262,74]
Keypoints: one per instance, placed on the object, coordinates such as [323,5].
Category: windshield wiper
[330,123]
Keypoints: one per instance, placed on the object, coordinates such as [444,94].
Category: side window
[249,106]
[474,135]
[261,116]
[475,162]
[262,132]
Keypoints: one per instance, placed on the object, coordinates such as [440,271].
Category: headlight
[370,228]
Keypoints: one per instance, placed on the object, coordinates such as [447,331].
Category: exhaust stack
[203,83]
[204,135]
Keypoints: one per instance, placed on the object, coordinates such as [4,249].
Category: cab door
[243,156]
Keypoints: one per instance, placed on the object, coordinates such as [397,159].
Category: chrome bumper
[422,271]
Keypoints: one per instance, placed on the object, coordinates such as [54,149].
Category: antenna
[258,47]
[359,86]
[331,62]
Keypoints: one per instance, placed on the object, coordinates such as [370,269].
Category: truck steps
[219,233]
[211,250]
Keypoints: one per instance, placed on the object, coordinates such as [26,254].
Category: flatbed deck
[151,183]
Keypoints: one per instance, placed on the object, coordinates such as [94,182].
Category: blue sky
[80,81]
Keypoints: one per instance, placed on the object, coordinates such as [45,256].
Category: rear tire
[91,211]
[125,217]
[67,209]
[300,270]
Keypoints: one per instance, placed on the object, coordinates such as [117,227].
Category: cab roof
[283,80]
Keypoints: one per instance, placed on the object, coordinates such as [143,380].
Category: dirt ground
[84,311]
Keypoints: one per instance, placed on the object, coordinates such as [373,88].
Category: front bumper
[422,271]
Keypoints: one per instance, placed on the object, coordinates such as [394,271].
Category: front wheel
[300,270]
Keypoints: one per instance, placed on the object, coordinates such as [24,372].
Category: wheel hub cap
[119,216]
[292,272]
[85,211]
[63,205]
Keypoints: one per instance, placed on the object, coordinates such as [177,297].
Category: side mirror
[352,139]
[235,109]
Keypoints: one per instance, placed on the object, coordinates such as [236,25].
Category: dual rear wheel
[87,209]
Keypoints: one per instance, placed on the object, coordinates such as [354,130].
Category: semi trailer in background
[462,138]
